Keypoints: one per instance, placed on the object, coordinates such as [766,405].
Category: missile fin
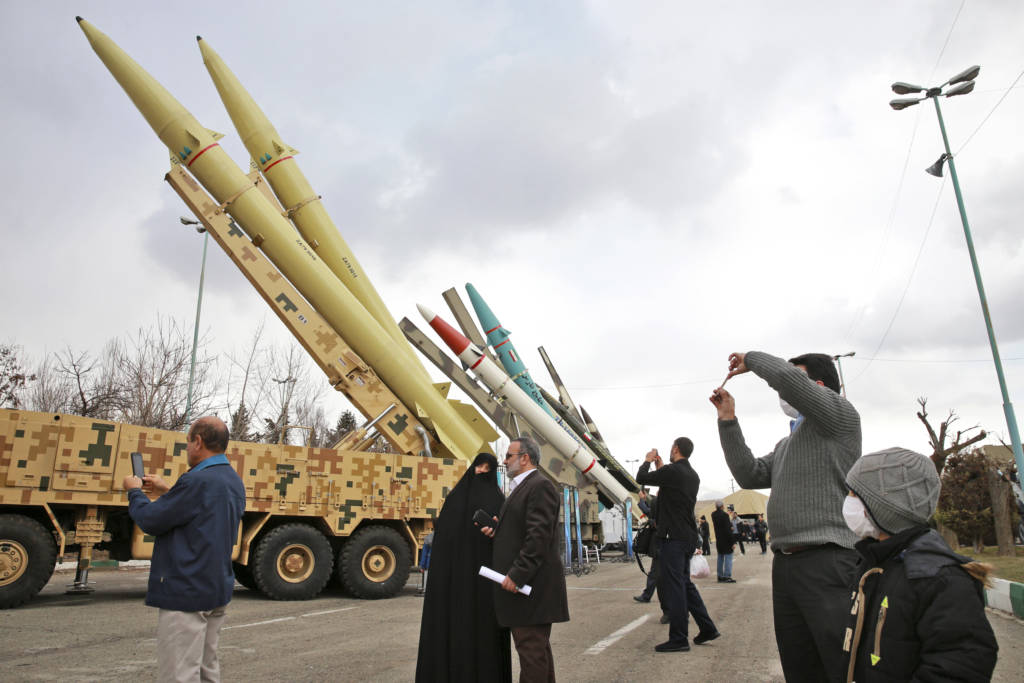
[472,417]
[214,134]
[443,388]
[281,148]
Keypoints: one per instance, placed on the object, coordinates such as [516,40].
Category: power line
[1012,86]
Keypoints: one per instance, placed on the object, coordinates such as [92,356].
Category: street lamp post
[199,309]
[838,359]
[963,83]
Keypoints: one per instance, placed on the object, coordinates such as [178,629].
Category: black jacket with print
[917,615]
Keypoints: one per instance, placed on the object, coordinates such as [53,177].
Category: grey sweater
[807,470]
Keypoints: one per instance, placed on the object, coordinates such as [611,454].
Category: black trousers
[811,604]
[680,598]
[533,644]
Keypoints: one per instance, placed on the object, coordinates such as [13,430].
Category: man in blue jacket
[195,523]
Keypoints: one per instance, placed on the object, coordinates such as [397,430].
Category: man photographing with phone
[195,523]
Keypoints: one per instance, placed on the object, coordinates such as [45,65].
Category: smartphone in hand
[137,467]
[483,518]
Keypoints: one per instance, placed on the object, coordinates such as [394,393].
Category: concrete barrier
[1007,596]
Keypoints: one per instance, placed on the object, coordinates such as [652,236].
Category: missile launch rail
[311,513]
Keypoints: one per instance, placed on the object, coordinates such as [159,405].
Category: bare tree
[91,382]
[245,406]
[13,377]
[51,391]
[938,441]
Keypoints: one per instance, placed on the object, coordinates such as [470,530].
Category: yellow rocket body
[275,160]
[197,149]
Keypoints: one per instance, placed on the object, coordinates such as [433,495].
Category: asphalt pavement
[110,634]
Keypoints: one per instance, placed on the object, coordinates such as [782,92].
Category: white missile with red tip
[502,386]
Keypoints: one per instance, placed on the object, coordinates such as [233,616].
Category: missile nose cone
[78,19]
[199,39]
[427,314]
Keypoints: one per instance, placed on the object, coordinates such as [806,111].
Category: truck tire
[292,562]
[28,556]
[375,563]
[243,575]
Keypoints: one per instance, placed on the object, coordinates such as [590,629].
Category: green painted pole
[1011,419]
[195,333]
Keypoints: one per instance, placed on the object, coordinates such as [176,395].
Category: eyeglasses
[509,454]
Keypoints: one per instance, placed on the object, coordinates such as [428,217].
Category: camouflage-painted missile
[196,148]
[504,388]
[276,162]
[498,338]
[591,426]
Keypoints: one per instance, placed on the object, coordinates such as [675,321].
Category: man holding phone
[526,551]
[195,523]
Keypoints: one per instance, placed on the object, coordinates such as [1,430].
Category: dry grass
[1009,568]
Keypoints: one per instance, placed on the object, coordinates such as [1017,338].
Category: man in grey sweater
[814,556]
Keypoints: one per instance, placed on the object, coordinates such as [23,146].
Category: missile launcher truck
[311,513]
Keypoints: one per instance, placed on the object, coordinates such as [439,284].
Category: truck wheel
[28,556]
[375,562]
[243,574]
[292,562]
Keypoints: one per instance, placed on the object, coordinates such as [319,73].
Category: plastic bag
[699,568]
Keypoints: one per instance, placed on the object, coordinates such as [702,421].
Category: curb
[1007,596]
[130,564]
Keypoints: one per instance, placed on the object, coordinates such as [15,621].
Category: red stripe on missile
[200,153]
[496,327]
[275,163]
[504,342]
[478,362]
[592,463]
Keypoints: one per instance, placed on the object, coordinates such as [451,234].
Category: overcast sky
[641,188]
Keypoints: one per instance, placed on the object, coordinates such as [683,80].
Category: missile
[276,161]
[196,148]
[498,338]
[591,426]
[563,393]
[504,388]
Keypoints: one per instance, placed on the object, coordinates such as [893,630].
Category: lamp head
[901,88]
[903,103]
[961,89]
[968,74]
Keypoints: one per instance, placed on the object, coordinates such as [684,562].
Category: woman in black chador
[460,640]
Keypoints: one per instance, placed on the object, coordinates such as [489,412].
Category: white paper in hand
[494,576]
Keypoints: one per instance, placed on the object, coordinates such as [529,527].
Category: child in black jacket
[918,609]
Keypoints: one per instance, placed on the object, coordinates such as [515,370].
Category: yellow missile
[276,162]
[197,150]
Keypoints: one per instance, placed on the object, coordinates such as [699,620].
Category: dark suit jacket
[723,532]
[526,549]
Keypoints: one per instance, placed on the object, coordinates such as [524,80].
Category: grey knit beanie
[900,488]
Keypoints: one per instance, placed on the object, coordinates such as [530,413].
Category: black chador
[460,639]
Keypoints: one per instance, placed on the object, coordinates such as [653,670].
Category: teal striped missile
[498,338]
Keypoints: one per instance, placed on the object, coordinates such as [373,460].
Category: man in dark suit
[526,552]
[677,494]
[724,542]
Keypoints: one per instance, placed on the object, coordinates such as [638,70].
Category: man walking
[526,551]
[705,536]
[724,542]
[761,529]
[814,557]
[195,523]
[677,531]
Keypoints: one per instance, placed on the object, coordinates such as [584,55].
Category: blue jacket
[196,525]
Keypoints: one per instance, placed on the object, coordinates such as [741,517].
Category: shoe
[705,637]
[640,598]
[665,619]
[669,646]
[728,579]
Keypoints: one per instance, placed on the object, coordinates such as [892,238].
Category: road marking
[600,646]
[330,611]
[258,623]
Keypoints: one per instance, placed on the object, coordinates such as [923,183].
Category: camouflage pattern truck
[311,513]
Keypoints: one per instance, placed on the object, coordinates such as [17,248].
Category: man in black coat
[723,542]
[705,536]
[526,551]
[677,531]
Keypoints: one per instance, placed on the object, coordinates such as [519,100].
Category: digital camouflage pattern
[58,461]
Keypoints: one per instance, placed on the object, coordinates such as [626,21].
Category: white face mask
[789,410]
[856,517]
